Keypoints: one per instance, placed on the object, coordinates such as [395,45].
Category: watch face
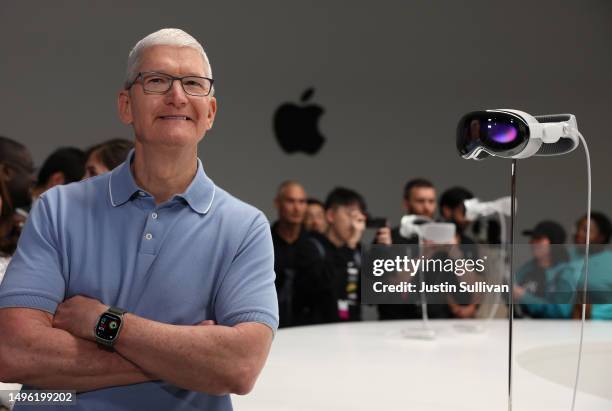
[108,327]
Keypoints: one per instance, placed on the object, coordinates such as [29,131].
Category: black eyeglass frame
[141,74]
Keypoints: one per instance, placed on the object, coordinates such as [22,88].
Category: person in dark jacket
[287,234]
[419,198]
[327,281]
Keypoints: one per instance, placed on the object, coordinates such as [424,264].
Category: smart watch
[108,326]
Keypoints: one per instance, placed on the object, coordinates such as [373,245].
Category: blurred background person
[327,281]
[17,173]
[419,198]
[4,257]
[105,156]
[599,305]
[65,165]
[16,179]
[287,233]
[533,278]
[568,279]
[452,210]
[601,230]
[315,216]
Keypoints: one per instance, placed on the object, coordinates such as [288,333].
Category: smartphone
[376,222]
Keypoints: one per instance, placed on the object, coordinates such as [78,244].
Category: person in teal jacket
[566,280]
[546,276]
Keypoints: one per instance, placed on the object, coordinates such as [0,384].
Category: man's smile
[174,117]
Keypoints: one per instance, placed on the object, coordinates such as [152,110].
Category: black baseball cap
[549,229]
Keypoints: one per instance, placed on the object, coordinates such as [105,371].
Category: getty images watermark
[480,273]
[413,266]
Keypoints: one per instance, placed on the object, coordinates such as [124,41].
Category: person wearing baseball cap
[550,230]
[539,275]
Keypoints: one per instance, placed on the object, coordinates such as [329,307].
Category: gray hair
[163,37]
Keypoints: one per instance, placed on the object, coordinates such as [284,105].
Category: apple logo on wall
[296,126]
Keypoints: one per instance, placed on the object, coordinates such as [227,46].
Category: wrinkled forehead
[174,60]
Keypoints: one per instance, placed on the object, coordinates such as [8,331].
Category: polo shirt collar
[199,195]
[121,184]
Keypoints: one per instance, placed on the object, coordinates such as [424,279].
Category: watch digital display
[108,326]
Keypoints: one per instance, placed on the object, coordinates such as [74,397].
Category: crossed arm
[59,352]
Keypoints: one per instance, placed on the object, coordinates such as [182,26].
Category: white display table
[369,366]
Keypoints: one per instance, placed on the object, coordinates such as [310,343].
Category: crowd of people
[317,248]
[20,186]
[317,244]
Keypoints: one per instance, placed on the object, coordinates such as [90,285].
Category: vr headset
[515,134]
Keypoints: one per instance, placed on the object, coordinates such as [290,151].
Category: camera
[376,222]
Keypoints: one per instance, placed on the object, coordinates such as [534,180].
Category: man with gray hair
[159,292]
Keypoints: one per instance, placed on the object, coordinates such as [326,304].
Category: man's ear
[330,215]
[212,111]
[124,107]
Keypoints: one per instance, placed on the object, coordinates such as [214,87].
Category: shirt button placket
[149,243]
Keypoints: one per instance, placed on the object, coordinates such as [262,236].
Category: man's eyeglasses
[160,83]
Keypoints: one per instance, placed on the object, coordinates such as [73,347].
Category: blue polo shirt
[202,255]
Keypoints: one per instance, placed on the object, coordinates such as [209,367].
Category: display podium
[371,366]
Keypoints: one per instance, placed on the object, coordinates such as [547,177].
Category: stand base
[470,328]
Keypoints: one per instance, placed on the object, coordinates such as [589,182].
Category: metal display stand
[510,296]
